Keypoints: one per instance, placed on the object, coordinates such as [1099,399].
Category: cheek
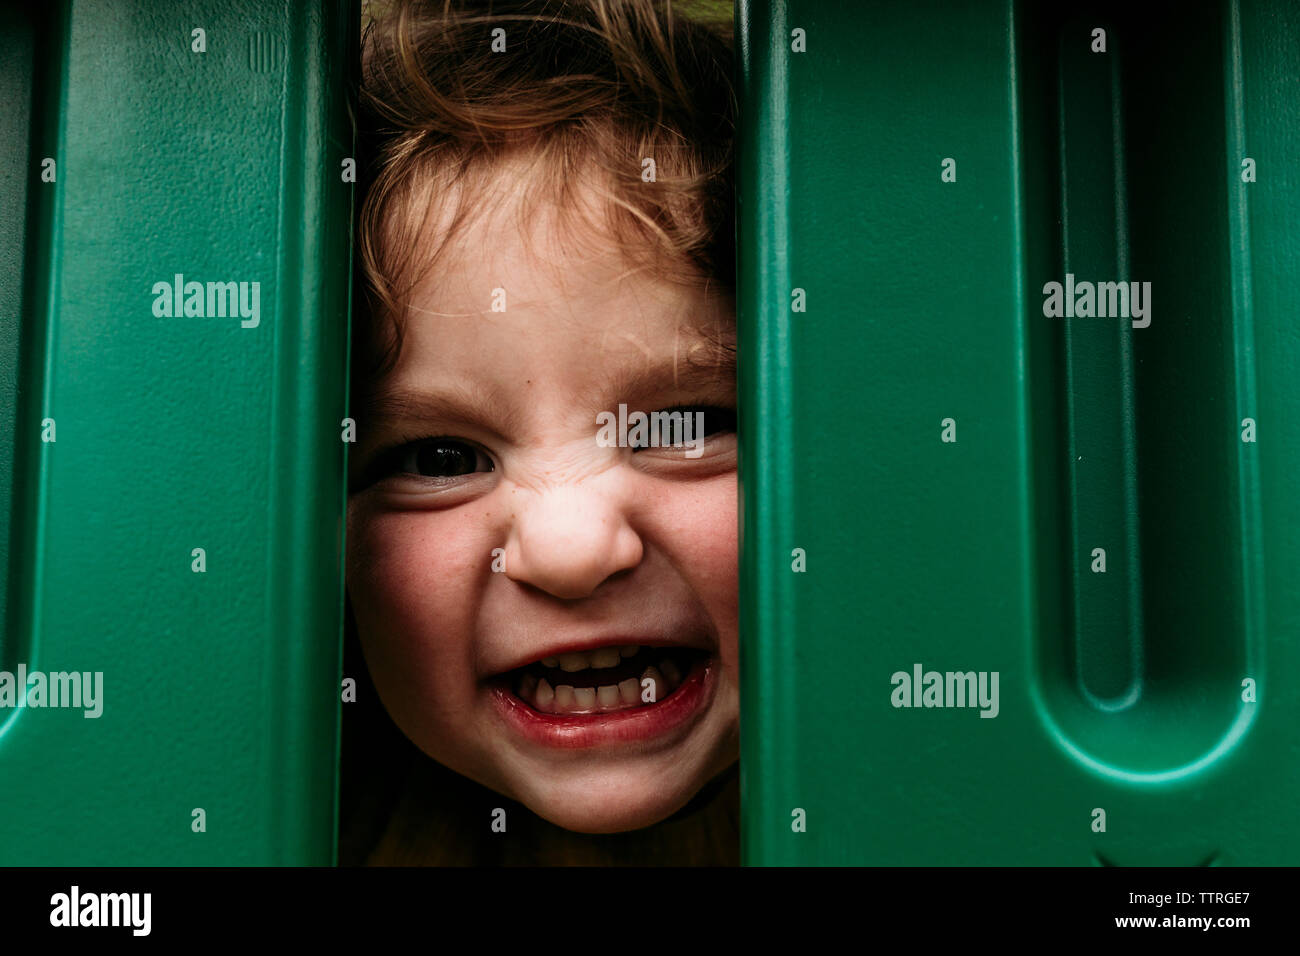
[412,579]
[715,549]
[697,526]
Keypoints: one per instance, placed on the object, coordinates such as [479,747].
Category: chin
[631,806]
[614,816]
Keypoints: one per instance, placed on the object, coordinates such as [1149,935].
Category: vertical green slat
[925,302]
[764,379]
[220,689]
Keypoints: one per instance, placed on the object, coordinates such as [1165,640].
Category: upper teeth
[654,685]
[582,660]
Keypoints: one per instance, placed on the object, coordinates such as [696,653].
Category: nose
[568,540]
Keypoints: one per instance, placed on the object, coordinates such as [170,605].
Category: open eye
[440,458]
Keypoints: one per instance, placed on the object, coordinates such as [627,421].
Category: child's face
[600,547]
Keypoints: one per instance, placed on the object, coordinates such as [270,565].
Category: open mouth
[604,680]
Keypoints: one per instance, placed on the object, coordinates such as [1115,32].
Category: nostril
[568,576]
[558,589]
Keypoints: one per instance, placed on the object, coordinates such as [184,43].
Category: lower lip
[635,725]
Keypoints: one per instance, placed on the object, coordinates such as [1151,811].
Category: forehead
[527,287]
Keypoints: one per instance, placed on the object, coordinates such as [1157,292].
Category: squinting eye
[717,421]
[442,458]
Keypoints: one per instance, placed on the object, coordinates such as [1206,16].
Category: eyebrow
[485,408]
[676,373]
[491,410]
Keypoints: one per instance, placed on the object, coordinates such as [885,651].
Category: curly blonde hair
[579,93]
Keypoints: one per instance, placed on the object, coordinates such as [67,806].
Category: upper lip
[693,640]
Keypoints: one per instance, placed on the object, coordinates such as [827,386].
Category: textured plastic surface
[174,432]
[1126,690]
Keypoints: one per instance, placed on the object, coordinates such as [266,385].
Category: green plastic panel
[202,140]
[955,464]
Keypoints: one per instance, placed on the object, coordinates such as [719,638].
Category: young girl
[546,605]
